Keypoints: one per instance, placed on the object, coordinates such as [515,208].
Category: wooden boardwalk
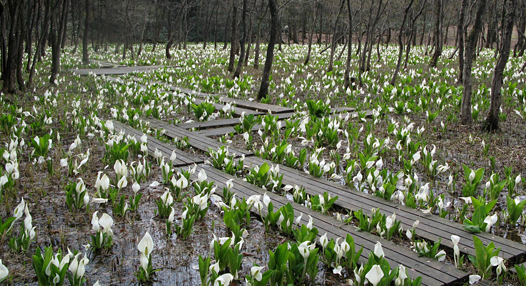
[431,227]
[237,110]
[257,106]
[183,158]
[197,141]
[432,271]
[224,122]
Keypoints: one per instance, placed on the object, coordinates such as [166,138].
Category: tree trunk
[85,55]
[242,41]
[233,38]
[401,44]
[170,35]
[471,44]
[412,35]
[492,121]
[263,90]
[346,76]
[333,44]
[57,24]
[438,33]
[460,32]
[249,43]
[311,36]
[256,50]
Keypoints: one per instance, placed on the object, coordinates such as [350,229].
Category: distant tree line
[29,26]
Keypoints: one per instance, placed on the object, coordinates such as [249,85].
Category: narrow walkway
[432,271]
[431,227]
[183,158]
[197,141]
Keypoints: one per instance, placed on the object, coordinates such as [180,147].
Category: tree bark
[333,44]
[460,32]
[263,90]
[242,41]
[471,45]
[401,44]
[492,121]
[346,76]
[58,20]
[85,54]
[438,33]
[311,35]
[233,38]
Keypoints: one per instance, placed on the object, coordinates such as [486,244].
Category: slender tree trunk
[170,35]
[492,121]
[85,54]
[9,74]
[401,44]
[346,76]
[460,32]
[333,45]
[57,24]
[249,43]
[412,35]
[438,33]
[471,44]
[233,38]
[256,51]
[242,41]
[311,36]
[64,27]
[263,90]
[225,33]
[423,29]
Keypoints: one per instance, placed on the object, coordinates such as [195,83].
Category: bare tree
[492,121]
[471,44]
[346,76]
[307,58]
[438,32]
[233,38]
[335,29]
[263,90]
[242,41]
[460,34]
[85,54]
[401,43]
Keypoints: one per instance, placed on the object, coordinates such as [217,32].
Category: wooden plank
[197,141]
[257,105]
[182,159]
[224,122]
[432,272]
[431,227]
[342,109]
[237,110]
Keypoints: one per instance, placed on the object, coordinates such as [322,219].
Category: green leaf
[469,226]
[264,169]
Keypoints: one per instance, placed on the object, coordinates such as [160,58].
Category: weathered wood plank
[197,141]
[237,110]
[257,105]
[342,109]
[183,159]
[224,122]
[432,272]
[431,227]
